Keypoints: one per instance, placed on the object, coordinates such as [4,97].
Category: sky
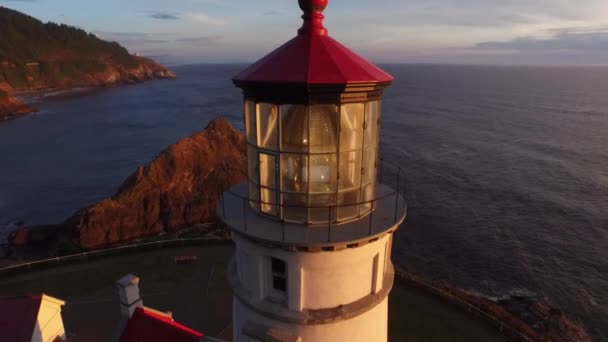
[504,32]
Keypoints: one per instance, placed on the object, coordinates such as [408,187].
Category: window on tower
[279,275]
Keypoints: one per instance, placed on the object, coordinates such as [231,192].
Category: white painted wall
[49,323]
[369,327]
[321,280]
[315,280]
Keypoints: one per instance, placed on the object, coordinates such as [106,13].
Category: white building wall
[315,280]
[49,324]
[330,284]
[321,280]
[371,326]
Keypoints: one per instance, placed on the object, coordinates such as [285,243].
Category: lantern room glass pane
[320,211]
[269,201]
[369,164]
[294,172]
[351,126]
[253,165]
[372,118]
[368,194]
[348,207]
[254,196]
[267,126]
[295,207]
[323,128]
[250,118]
[350,170]
[294,128]
[268,176]
[323,173]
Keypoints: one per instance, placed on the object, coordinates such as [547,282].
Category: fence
[506,329]
[121,250]
[328,221]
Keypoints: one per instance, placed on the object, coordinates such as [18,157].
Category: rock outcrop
[145,70]
[551,324]
[179,189]
[11,107]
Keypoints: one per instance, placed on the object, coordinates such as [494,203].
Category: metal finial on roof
[313,17]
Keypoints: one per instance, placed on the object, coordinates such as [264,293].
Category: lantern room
[312,114]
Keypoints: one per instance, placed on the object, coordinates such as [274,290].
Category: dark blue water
[507,168]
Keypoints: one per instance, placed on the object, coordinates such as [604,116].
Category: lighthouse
[313,223]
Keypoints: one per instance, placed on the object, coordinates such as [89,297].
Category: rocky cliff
[104,71]
[37,56]
[178,189]
[11,107]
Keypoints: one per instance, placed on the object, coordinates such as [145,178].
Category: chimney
[128,291]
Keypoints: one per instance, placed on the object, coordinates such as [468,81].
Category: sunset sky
[534,32]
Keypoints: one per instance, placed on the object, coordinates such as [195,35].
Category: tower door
[268,183]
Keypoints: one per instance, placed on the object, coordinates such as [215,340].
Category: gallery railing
[387,208]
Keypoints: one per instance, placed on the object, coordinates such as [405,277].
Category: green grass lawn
[416,316]
[199,296]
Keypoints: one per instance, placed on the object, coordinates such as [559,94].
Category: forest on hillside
[36,55]
[25,39]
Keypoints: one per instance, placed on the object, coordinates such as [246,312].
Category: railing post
[223,200]
[397,193]
[245,215]
[329,224]
[404,193]
[371,216]
[283,229]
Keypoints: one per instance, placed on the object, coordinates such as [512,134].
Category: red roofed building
[150,325]
[142,324]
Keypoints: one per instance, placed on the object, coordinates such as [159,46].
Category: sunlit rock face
[178,189]
[145,69]
[11,107]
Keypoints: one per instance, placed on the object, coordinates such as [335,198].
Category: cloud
[273,13]
[165,15]
[205,19]
[563,39]
[20,0]
[206,40]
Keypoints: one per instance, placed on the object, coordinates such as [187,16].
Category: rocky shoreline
[12,107]
[38,57]
[515,315]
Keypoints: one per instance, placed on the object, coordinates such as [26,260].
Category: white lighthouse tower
[314,222]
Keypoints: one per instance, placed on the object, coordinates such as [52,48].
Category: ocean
[507,168]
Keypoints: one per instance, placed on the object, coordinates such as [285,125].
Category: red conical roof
[313,58]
